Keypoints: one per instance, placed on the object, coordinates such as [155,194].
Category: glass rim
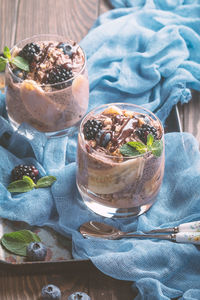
[54,84]
[116,104]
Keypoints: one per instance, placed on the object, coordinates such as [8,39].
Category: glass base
[112,212]
[56,134]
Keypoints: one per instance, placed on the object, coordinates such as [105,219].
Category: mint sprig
[17,241]
[137,148]
[27,184]
[18,61]
[3,62]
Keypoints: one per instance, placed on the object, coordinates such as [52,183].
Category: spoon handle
[191,226]
[188,237]
[181,237]
[185,227]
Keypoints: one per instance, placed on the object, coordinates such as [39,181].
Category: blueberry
[67,48]
[36,251]
[19,73]
[51,291]
[79,296]
[103,138]
[106,139]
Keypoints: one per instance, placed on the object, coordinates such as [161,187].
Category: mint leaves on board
[17,242]
[27,184]
[137,148]
[18,61]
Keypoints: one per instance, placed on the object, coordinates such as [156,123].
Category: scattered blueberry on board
[36,251]
[79,296]
[51,291]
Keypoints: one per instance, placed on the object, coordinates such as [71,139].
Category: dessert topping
[67,48]
[58,74]
[123,132]
[144,130]
[135,148]
[20,73]
[91,128]
[103,138]
[17,61]
[29,52]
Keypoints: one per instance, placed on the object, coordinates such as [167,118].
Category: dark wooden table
[72,18]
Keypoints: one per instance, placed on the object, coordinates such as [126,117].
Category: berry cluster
[91,128]
[29,52]
[144,131]
[22,170]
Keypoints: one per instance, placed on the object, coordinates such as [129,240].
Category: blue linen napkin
[146,52]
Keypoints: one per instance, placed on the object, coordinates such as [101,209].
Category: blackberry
[91,128]
[144,131]
[29,51]
[22,170]
[59,74]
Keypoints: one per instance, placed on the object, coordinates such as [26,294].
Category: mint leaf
[156,148]
[127,150]
[6,52]
[45,181]
[29,181]
[150,140]
[20,186]
[17,242]
[21,63]
[3,62]
[138,146]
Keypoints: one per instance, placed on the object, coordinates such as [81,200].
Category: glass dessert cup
[54,109]
[116,186]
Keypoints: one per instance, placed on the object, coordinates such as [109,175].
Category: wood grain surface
[72,18]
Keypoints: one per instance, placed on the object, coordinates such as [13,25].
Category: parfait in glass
[120,159]
[52,96]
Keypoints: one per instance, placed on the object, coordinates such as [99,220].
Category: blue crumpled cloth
[145,52]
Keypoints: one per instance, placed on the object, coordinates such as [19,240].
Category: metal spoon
[101,230]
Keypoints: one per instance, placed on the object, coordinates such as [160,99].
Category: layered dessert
[120,158]
[53,94]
